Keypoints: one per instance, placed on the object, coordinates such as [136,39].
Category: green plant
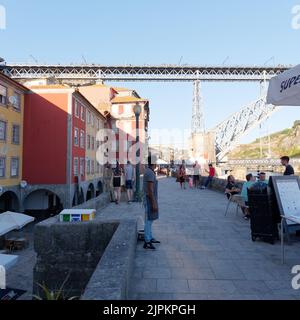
[53,295]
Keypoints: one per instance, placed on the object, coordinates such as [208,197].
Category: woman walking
[117,182]
[182,176]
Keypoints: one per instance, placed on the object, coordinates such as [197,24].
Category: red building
[56,148]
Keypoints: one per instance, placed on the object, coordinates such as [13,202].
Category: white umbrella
[6,227]
[18,219]
[284,89]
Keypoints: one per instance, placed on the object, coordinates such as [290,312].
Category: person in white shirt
[130,178]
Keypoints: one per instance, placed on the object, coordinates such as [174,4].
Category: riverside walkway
[205,255]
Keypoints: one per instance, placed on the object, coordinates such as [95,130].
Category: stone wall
[219,184]
[96,257]
[111,279]
[96,203]
[69,251]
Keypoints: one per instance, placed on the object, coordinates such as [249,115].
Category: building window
[98,124]
[93,143]
[88,142]
[3,95]
[76,141]
[77,106]
[17,104]
[2,167]
[14,167]
[88,117]
[88,166]
[81,166]
[82,113]
[82,139]
[92,167]
[75,166]
[3,126]
[16,134]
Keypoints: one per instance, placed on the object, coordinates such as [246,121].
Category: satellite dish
[23,184]
[12,100]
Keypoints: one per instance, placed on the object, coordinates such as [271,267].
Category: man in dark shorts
[129,178]
[289,170]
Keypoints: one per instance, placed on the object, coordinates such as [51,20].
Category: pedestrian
[129,180]
[117,177]
[211,174]
[197,173]
[150,188]
[108,180]
[182,176]
[289,170]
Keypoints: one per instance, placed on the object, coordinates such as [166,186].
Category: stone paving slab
[207,256]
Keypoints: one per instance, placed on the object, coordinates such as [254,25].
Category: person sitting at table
[231,187]
[250,180]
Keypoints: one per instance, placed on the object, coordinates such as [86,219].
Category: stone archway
[99,188]
[90,194]
[42,203]
[9,201]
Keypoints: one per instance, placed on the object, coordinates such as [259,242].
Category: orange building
[120,102]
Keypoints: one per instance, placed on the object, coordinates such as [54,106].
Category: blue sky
[157,32]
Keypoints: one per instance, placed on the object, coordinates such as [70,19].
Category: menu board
[289,196]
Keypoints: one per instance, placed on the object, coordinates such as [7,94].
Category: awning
[284,89]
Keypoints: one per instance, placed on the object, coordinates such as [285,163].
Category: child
[191,182]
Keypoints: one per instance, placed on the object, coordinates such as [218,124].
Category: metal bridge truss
[230,131]
[259,163]
[90,73]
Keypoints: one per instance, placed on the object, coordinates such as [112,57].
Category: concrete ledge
[97,203]
[110,281]
[219,184]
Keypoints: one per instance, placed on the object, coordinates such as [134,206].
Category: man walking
[129,177]
[150,188]
[289,170]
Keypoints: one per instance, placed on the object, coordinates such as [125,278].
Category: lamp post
[137,111]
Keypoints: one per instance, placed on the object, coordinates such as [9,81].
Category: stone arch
[42,203]
[90,194]
[99,189]
[9,201]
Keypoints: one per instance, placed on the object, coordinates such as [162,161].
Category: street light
[137,111]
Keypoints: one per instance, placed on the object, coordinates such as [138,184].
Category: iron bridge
[93,72]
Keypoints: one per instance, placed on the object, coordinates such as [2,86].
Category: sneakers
[155,241]
[149,245]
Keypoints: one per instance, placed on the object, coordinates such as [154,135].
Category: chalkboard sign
[287,190]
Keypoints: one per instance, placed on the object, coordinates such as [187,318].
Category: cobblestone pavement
[205,255]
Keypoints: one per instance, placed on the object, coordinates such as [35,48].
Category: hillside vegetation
[286,142]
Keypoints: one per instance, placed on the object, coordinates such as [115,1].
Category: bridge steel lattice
[86,73]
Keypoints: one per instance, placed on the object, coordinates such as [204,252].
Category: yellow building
[11,142]
[95,121]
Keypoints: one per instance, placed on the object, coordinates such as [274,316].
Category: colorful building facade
[60,131]
[120,103]
[11,142]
